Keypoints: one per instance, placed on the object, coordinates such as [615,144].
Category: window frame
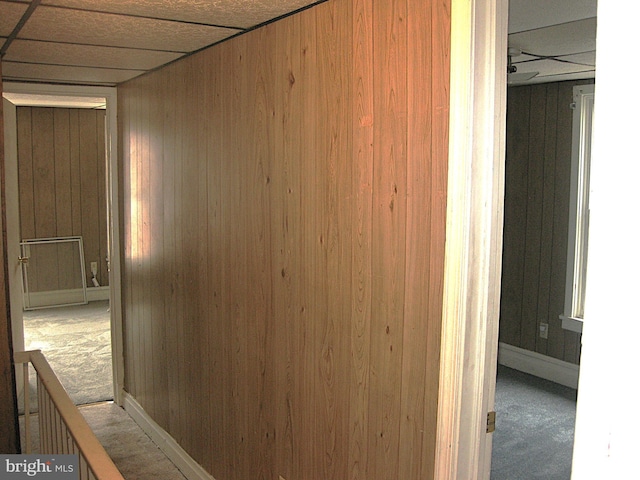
[578,231]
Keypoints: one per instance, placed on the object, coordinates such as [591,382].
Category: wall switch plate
[544,330]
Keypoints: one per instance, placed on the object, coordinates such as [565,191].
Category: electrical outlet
[544,330]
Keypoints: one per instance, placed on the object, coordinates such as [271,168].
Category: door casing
[110,95]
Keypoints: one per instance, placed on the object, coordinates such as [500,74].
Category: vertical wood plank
[544,346]
[25,173]
[102,220]
[419,218]
[213,95]
[530,321]
[61,185]
[440,100]
[516,164]
[388,236]
[89,186]
[362,220]
[293,428]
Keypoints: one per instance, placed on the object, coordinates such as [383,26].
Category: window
[583,105]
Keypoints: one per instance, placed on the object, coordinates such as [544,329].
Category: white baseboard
[181,459]
[95,294]
[542,366]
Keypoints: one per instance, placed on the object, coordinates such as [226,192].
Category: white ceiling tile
[531,14]
[31,51]
[90,28]
[235,13]
[564,39]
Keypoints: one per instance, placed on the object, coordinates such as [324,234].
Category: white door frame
[473,255]
[110,94]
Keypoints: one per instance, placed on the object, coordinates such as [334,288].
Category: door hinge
[491,422]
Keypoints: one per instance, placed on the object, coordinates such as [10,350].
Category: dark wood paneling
[538,168]
[284,210]
[62,187]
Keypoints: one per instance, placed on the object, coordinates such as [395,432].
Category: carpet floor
[76,341]
[535,422]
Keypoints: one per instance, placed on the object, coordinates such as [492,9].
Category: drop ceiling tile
[10,15]
[564,39]
[234,13]
[91,28]
[533,14]
[32,51]
[56,74]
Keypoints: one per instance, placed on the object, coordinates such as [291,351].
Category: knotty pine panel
[537,173]
[62,187]
[284,209]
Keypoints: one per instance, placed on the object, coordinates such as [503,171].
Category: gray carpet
[535,421]
[77,344]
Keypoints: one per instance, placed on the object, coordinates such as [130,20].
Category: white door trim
[473,256]
[110,94]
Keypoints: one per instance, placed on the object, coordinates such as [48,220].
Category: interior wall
[62,189]
[284,215]
[9,432]
[537,180]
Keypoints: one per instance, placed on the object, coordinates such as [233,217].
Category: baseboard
[95,294]
[181,459]
[542,366]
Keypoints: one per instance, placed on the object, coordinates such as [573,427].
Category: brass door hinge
[491,422]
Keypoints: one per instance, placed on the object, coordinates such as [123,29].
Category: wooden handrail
[91,450]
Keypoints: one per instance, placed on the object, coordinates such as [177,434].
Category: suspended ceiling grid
[107,42]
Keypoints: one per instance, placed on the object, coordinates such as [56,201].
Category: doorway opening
[71,174]
[539,350]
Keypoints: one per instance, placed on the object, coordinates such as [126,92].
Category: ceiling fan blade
[513,78]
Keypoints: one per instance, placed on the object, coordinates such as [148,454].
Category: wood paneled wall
[284,219]
[537,174]
[61,176]
[9,431]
